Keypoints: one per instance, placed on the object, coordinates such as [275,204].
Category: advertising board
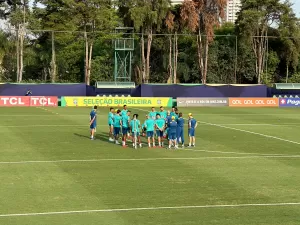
[253,102]
[289,102]
[28,101]
[202,102]
[115,101]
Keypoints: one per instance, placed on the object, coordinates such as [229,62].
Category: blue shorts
[116,130]
[93,126]
[135,134]
[172,136]
[159,133]
[192,132]
[150,134]
[124,130]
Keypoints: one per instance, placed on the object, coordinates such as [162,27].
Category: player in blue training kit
[172,133]
[111,124]
[93,121]
[149,125]
[117,126]
[192,125]
[173,112]
[162,113]
[152,114]
[125,127]
[124,113]
[135,125]
[144,126]
[180,132]
[160,127]
[168,121]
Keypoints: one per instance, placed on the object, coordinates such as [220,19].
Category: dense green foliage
[72,41]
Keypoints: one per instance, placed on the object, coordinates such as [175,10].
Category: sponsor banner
[289,102]
[44,101]
[202,102]
[115,101]
[27,101]
[15,101]
[253,102]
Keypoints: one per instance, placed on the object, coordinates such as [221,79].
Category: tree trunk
[143,58]
[170,69]
[18,53]
[86,65]
[89,63]
[53,61]
[259,47]
[204,77]
[200,56]
[137,74]
[21,54]
[175,57]
[149,43]
[287,73]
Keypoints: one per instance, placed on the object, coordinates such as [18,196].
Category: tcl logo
[43,101]
[253,102]
[14,101]
[27,101]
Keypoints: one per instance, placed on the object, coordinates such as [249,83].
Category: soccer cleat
[140,145]
[117,143]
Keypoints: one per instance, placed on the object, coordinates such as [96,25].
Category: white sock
[149,145]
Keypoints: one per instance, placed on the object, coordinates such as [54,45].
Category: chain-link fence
[62,56]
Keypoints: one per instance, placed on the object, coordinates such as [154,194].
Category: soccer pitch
[245,169]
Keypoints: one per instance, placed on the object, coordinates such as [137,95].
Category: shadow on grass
[99,136]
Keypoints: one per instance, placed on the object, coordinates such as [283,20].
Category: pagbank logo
[290,102]
[253,102]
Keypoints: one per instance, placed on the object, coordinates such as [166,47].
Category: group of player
[162,125]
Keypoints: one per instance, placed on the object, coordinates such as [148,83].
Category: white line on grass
[153,208]
[259,124]
[101,125]
[47,125]
[251,132]
[237,153]
[246,131]
[152,159]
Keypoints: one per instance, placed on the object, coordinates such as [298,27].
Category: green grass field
[245,169]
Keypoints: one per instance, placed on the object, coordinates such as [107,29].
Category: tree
[173,26]
[253,23]
[147,16]
[93,16]
[289,31]
[204,16]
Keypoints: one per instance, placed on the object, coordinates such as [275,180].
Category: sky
[296,7]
